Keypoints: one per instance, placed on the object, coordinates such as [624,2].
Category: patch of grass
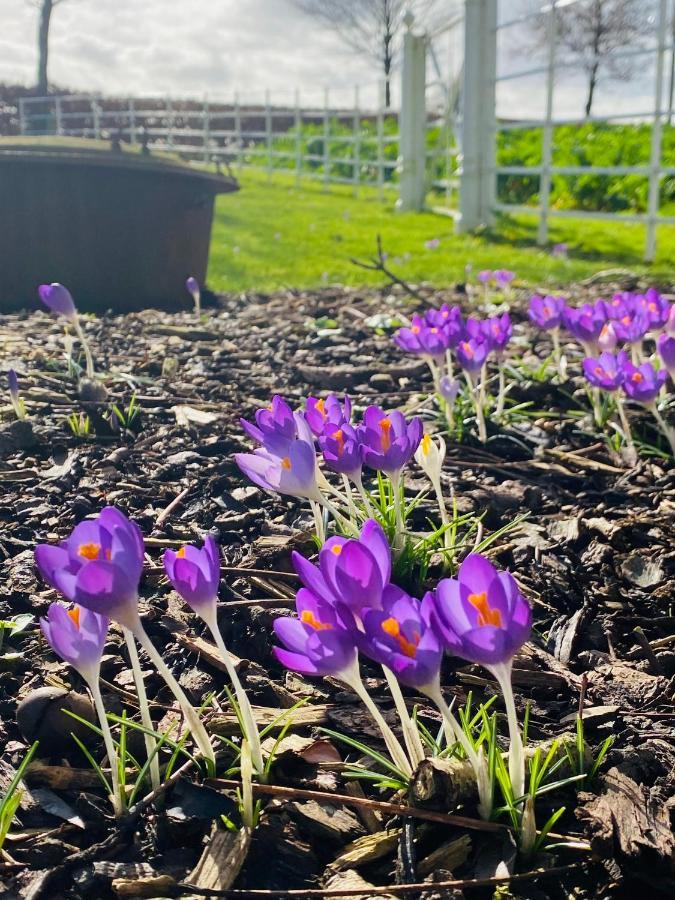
[272,235]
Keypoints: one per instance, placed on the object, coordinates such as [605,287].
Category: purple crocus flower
[350,571]
[294,473]
[78,636]
[432,244]
[607,371]
[631,327]
[643,383]
[341,449]
[655,307]
[559,251]
[319,412]
[13,385]
[503,278]
[321,641]
[99,566]
[485,276]
[439,318]
[472,353]
[388,441]
[58,300]
[666,347]
[585,323]
[192,287]
[422,339]
[276,427]
[400,637]
[195,574]
[498,331]
[546,312]
[481,615]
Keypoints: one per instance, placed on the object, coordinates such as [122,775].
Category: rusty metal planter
[120,229]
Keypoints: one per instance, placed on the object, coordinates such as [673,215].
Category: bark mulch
[595,556]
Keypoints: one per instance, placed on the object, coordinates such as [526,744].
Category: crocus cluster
[617,359]
[348,606]
[500,278]
[286,462]
[444,333]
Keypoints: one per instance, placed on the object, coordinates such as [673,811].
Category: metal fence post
[96,114]
[297,117]
[412,146]
[268,132]
[237,131]
[22,116]
[477,173]
[655,156]
[356,141]
[380,139]
[132,121]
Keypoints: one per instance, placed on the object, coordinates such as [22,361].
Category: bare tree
[45,9]
[367,26]
[590,31]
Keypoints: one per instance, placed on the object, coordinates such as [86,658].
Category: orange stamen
[637,377]
[74,614]
[416,329]
[385,425]
[486,614]
[468,349]
[393,629]
[308,618]
[181,553]
[336,549]
[89,551]
[321,406]
[340,438]
[286,462]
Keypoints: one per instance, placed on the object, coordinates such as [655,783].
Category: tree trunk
[43,46]
[592,82]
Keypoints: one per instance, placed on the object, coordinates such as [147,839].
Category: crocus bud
[430,455]
[16,401]
[58,299]
[192,286]
[449,388]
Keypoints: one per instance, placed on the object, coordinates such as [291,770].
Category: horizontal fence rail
[354,146]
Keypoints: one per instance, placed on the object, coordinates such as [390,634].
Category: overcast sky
[193,48]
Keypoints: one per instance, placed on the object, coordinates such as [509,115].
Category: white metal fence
[354,145]
[445,148]
[651,58]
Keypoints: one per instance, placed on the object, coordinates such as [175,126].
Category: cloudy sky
[193,48]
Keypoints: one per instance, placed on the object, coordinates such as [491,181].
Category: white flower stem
[350,500]
[435,374]
[118,798]
[502,673]
[448,364]
[318,521]
[479,402]
[396,751]
[665,427]
[445,521]
[336,514]
[631,452]
[251,729]
[501,396]
[411,735]
[358,482]
[150,743]
[454,732]
[194,723]
[86,348]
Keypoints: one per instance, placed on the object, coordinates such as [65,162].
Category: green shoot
[11,799]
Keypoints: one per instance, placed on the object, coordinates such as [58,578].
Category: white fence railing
[657,50]
[355,146]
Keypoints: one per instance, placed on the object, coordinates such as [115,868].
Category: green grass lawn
[271,235]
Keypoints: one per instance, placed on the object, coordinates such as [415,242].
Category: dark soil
[595,556]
